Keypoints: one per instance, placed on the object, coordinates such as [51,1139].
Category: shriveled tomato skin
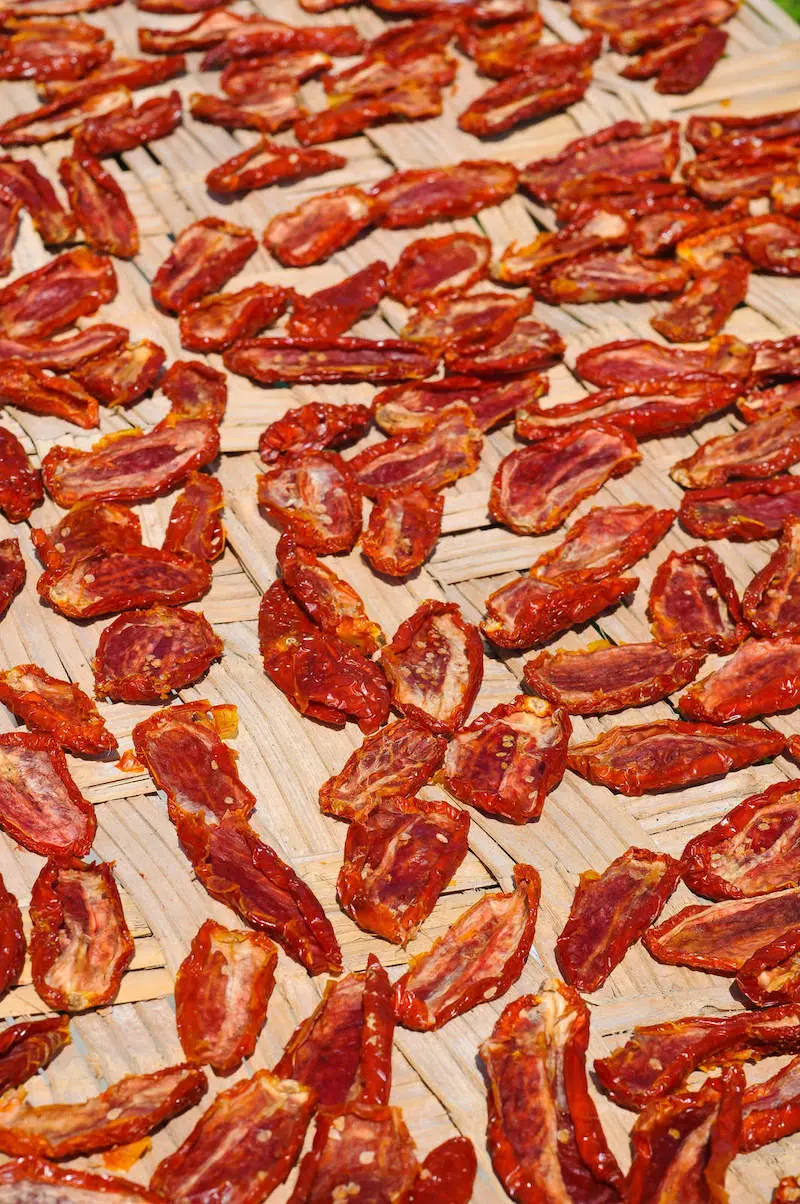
[124,375]
[692,598]
[205,255]
[46,704]
[529,611]
[29,1046]
[196,391]
[181,641]
[22,1174]
[221,319]
[86,528]
[403,528]
[772,975]
[195,527]
[104,583]
[49,299]
[447,1174]
[330,601]
[12,947]
[21,483]
[393,762]
[99,204]
[315,496]
[314,427]
[33,769]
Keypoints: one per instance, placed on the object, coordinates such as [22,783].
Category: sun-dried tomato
[363,1150]
[118,132]
[267,163]
[242,1147]
[772,974]
[759,403]
[761,678]
[12,959]
[124,1112]
[775,359]
[204,257]
[430,266]
[9,229]
[465,322]
[20,483]
[529,611]
[421,195]
[599,228]
[720,937]
[222,990]
[544,1134]
[649,25]
[743,512]
[333,310]
[669,754]
[314,495]
[749,173]
[412,100]
[535,488]
[40,805]
[402,529]
[531,346]
[604,542]
[479,958]
[759,450]
[692,598]
[611,911]
[604,678]
[106,582]
[770,602]
[12,572]
[219,321]
[129,466]
[403,408]
[630,151]
[20,180]
[509,759]
[343,1051]
[87,528]
[80,943]
[609,276]
[61,709]
[33,390]
[99,204]
[239,870]
[332,603]
[195,527]
[314,427]
[538,90]
[253,79]
[60,117]
[431,33]
[320,225]
[448,1173]
[262,36]
[187,759]
[207,31]
[435,666]
[498,50]
[145,655]
[434,458]
[195,390]
[685,1144]
[658,1057]
[639,362]
[706,304]
[329,361]
[49,299]
[724,134]
[124,375]
[399,856]
[126,72]
[278,112]
[29,1046]
[44,1179]
[392,763]
[320,675]
[67,354]
[770,1109]
[659,232]
[772,244]
[375,75]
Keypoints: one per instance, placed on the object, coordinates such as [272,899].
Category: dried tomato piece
[535,488]
[610,276]
[629,151]
[413,100]
[187,759]
[375,75]
[749,173]
[319,226]
[431,33]
[529,611]
[9,229]
[67,354]
[448,1173]
[465,322]
[432,458]
[770,602]
[314,427]
[123,131]
[207,31]
[60,117]
[263,1119]
[402,529]
[329,361]
[772,974]
[669,754]
[219,321]
[403,408]
[537,91]
[40,805]
[744,512]
[762,677]
[239,870]
[658,1057]
[685,1144]
[106,582]
[531,345]
[80,943]
[692,598]
[761,449]
[145,655]
[195,390]
[99,204]
[314,495]
[639,362]
[544,1134]
[60,708]
[604,678]
[124,1112]
[87,528]
[605,541]
[775,359]
[35,391]
[770,1109]
[12,959]
[437,194]
[611,911]
[392,763]
[498,50]
[20,180]
[195,527]
[760,403]
[254,79]
[222,990]
[278,112]
[599,228]
[343,1051]
[12,572]
[267,163]
[721,937]
[333,310]
[706,304]
[49,299]
[332,603]
[399,856]
[129,466]
[204,257]
[23,1175]
[124,375]
[479,957]
[509,759]
[371,1156]
[29,1046]
[262,36]
[724,134]
[430,266]
[128,72]
[20,483]
[435,666]
[321,676]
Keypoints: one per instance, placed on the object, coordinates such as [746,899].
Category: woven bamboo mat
[284,758]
